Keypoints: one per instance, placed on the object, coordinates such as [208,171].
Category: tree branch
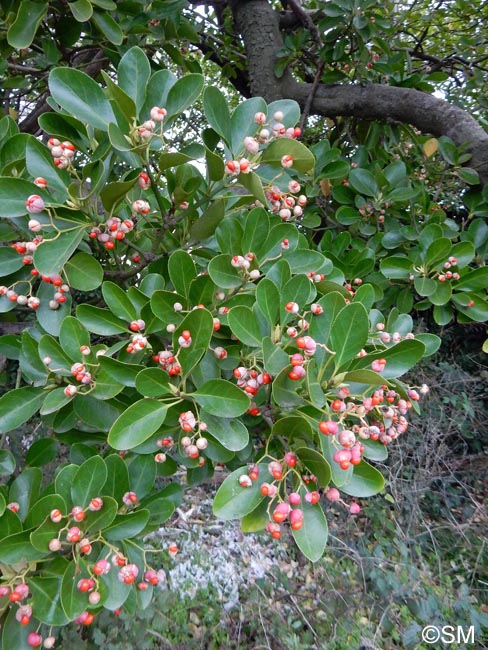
[258,25]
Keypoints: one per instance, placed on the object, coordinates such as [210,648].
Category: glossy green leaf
[39,162]
[72,336]
[366,481]
[42,508]
[127,526]
[7,462]
[14,193]
[275,358]
[231,433]
[374,450]
[22,31]
[88,481]
[41,452]
[118,477]
[99,519]
[108,27]
[284,390]
[153,382]
[72,599]
[183,93]
[223,273]
[245,326]
[60,363]
[83,272]
[233,501]
[396,268]
[252,182]
[205,225]
[82,10]
[311,539]
[220,397]
[182,271]
[316,464]
[137,424]
[268,299]
[10,261]
[303,158]
[100,321]
[81,96]
[19,405]
[363,182]
[117,301]
[217,112]
[349,333]
[242,122]
[46,600]
[142,474]
[199,323]
[133,75]
[52,254]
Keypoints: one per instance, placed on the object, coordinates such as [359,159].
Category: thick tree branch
[258,25]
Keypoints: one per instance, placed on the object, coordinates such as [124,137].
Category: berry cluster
[287,205]
[62,152]
[251,380]
[112,231]
[194,444]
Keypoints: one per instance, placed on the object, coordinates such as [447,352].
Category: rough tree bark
[259,26]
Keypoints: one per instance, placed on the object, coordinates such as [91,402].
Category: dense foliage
[236,298]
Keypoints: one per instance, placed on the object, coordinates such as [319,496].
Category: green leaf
[366,481]
[396,268]
[437,252]
[244,324]
[242,122]
[157,90]
[109,28]
[41,452]
[223,273]
[15,635]
[52,254]
[88,481]
[220,397]
[19,405]
[118,477]
[311,539]
[60,362]
[303,158]
[123,373]
[18,547]
[183,93]
[316,463]
[137,424]
[99,519]
[268,300]
[231,433]
[153,382]
[39,162]
[46,600]
[182,271]
[253,183]
[10,261]
[275,358]
[22,31]
[233,501]
[307,261]
[206,225]
[42,509]
[82,10]
[72,336]
[64,481]
[73,601]
[399,359]
[9,523]
[374,450]
[127,526]
[117,301]
[297,289]
[293,426]
[284,390]
[81,97]
[363,182]
[133,75]
[256,230]
[142,474]
[468,175]
[100,321]
[7,462]
[83,272]
[200,323]
[114,193]
[349,333]
[425,286]
[46,531]
[14,193]
[97,413]
[217,112]
[162,306]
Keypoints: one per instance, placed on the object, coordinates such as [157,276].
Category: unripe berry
[34,639]
[54,545]
[354,508]
[49,642]
[328,428]
[281,512]
[34,204]
[294,498]
[332,494]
